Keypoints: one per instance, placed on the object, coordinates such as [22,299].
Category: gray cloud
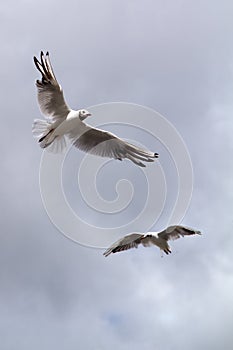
[177,59]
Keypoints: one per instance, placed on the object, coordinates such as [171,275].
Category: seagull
[160,239]
[62,122]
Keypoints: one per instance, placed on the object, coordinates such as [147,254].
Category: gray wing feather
[106,144]
[175,232]
[127,242]
[50,95]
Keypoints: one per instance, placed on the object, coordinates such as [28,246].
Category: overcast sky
[177,58]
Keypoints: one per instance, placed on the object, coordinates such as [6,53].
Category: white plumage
[61,122]
[160,239]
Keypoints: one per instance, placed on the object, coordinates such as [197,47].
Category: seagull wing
[127,242]
[175,232]
[106,144]
[50,95]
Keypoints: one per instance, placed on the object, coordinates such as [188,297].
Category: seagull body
[62,122]
[160,239]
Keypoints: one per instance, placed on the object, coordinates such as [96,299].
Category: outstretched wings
[50,95]
[152,238]
[175,232]
[106,144]
[127,242]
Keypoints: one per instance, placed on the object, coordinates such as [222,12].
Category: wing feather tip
[107,253]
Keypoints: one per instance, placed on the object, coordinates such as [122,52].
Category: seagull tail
[42,130]
[57,145]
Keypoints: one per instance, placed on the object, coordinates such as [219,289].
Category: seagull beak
[84,117]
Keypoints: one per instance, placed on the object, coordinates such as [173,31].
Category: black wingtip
[41,56]
[106,253]
[37,63]
[156,155]
[47,53]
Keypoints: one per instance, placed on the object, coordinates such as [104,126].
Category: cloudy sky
[175,57]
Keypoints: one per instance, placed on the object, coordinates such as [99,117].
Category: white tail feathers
[58,145]
[42,130]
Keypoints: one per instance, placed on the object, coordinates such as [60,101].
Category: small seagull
[62,121]
[160,239]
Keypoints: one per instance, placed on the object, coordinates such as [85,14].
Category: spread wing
[50,95]
[106,144]
[175,232]
[127,242]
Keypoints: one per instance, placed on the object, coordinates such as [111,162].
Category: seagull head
[83,114]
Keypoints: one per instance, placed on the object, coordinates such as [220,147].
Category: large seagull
[61,122]
[160,239]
